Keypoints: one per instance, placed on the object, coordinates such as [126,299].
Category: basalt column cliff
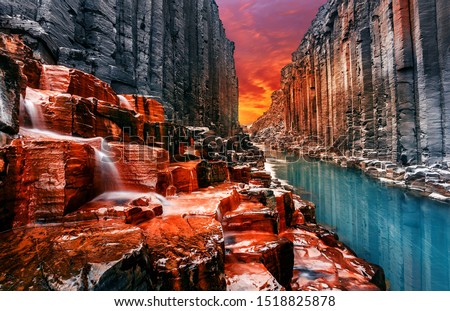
[372,79]
[176,51]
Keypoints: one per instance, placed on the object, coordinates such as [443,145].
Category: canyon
[100,191]
[176,52]
[367,88]
[370,80]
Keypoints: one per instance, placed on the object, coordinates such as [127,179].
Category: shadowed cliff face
[372,78]
[176,51]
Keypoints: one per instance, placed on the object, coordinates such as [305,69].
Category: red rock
[298,219]
[184,176]
[319,266]
[250,277]
[75,82]
[2,166]
[139,166]
[141,202]
[14,47]
[261,178]
[98,210]
[259,247]
[137,215]
[118,124]
[240,174]
[130,207]
[306,208]
[74,115]
[211,172]
[152,110]
[213,202]
[35,191]
[285,208]
[185,254]
[251,216]
[91,256]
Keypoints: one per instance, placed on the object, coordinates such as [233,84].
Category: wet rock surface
[93,197]
[250,277]
[186,253]
[175,52]
[96,256]
[319,265]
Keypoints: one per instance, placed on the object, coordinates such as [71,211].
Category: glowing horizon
[266,33]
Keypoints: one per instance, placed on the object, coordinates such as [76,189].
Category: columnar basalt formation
[176,52]
[92,197]
[371,79]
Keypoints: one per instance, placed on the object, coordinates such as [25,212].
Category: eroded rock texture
[176,51]
[372,79]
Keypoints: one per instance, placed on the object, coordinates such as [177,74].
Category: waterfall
[122,197]
[124,103]
[34,112]
[109,173]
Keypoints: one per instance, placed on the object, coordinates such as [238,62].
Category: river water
[408,235]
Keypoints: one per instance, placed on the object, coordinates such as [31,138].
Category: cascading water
[124,103]
[34,111]
[109,173]
[109,184]
[121,197]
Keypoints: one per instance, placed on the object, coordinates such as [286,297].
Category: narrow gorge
[174,51]
[371,79]
[368,92]
[123,165]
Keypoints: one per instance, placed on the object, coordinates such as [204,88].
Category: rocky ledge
[99,192]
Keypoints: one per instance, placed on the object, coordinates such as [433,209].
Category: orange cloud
[266,32]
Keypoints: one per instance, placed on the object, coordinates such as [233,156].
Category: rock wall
[372,78]
[176,51]
[272,121]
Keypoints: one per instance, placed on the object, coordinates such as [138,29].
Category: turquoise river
[408,235]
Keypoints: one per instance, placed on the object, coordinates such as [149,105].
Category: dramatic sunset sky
[266,32]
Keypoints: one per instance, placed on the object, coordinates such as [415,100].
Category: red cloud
[266,32]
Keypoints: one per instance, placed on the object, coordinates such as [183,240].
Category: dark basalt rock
[12,84]
[369,81]
[175,51]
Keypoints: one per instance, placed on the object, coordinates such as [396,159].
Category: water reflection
[407,235]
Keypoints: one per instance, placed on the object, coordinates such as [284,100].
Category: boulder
[185,253]
[250,277]
[276,253]
[91,256]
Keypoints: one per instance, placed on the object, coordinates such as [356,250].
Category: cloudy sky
[266,32]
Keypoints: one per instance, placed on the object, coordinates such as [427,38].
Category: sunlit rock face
[373,80]
[91,256]
[34,191]
[186,253]
[272,123]
[93,197]
[250,277]
[326,264]
[175,51]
